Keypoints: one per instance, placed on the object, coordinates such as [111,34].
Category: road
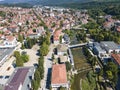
[45,83]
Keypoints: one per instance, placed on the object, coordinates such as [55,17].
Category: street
[45,83]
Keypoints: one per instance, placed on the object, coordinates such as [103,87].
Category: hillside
[46,2]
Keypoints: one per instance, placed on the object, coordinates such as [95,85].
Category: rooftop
[116,58]
[109,45]
[18,77]
[59,74]
[62,48]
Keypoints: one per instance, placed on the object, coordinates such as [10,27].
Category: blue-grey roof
[98,47]
[109,45]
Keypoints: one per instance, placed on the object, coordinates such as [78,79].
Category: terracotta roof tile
[116,58]
[59,74]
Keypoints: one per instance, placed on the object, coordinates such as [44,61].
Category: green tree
[68,66]
[22,47]
[19,62]
[25,57]
[44,49]
[20,38]
[111,71]
[60,39]
[17,54]
[53,56]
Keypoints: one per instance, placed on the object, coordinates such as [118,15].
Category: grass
[76,80]
[80,63]
[85,84]
[79,59]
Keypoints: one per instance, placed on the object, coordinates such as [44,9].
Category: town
[54,48]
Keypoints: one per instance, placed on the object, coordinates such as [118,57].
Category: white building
[8,42]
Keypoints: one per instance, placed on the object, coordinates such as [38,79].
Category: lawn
[79,59]
[76,82]
[80,63]
[85,84]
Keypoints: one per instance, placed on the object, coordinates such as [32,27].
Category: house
[116,59]
[59,76]
[35,34]
[8,42]
[108,25]
[13,28]
[66,38]
[63,59]
[56,36]
[110,47]
[20,79]
[62,49]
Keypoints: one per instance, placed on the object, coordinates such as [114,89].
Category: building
[20,79]
[116,59]
[110,47]
[97,49]
[38,32]
[62,49]
[100,52]
[8,42]
[66,39]
[59,76]
[56,36]
[63,59]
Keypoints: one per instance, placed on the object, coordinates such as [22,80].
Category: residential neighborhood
[56,48]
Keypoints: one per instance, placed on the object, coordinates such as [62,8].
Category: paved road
[4,53]
[45,83]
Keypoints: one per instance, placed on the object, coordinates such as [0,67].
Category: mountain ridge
[51,2]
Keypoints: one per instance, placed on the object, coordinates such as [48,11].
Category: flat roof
[116,58]
[59,75]
[109,45]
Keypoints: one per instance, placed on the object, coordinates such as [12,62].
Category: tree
[20,38]
[53,56]
[44,49]
[25,57]
[19,62]
[109,75]
[17,54]
[68,66]
[111,71]
[22,47]
[60,39]
[93,60]
[29,43]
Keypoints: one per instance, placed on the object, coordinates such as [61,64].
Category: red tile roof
[59,74]
[116,58]
[10,38]
[57,35]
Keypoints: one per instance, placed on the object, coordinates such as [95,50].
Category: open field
[79,59]
[76,82]
[80,64]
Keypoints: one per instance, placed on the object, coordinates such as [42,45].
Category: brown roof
[59,74]
[116,58]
